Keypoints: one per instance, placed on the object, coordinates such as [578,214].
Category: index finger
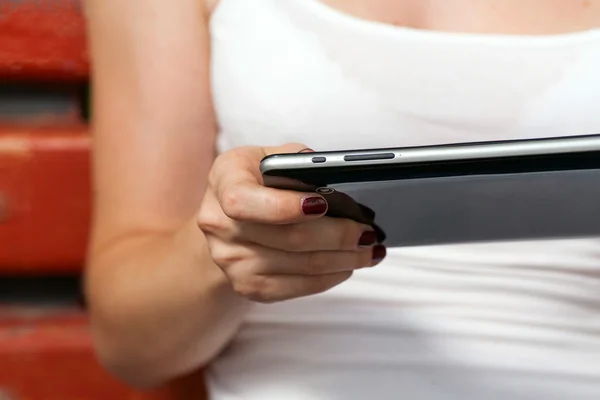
[236,181]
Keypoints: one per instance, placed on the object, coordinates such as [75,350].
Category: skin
[183,241]
[517,17]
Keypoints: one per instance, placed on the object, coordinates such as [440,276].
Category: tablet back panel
[541,205]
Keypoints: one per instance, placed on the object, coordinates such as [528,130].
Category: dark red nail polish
[379,253]
[306,150]
[368,238]
[314,205]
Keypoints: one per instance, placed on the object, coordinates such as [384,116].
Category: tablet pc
[456,193]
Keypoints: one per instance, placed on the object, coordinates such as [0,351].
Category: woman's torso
[493,321]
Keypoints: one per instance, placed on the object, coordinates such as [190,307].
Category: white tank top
[467,322]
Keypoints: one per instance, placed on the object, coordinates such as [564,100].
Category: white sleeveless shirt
[487,321]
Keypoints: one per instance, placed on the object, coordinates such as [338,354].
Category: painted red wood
[189,387]
[46,354]
[42,40]
[44,199]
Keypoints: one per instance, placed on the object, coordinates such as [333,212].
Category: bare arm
[159,305]
[181,240]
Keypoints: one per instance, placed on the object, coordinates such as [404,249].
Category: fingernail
[314,205]
[368,238]
[379,253]
[306,150]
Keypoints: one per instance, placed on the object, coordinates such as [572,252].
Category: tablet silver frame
[437,153]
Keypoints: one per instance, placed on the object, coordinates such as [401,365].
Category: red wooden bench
[45,346]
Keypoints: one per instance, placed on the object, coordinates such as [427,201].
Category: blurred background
[45,345]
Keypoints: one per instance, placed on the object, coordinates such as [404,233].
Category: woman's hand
[275,245]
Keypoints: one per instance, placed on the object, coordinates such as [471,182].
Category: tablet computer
[456,193]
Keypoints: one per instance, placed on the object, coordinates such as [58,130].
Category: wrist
[215,283]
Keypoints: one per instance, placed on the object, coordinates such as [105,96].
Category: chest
[295,70]
[481,16]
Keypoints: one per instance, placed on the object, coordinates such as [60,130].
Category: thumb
[289,148]
[281,182]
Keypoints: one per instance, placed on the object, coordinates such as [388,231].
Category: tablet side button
[369,157]
[318,160]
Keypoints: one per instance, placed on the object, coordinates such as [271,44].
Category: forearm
[159,306]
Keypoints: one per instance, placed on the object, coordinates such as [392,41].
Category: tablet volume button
[318,160]
[370,157]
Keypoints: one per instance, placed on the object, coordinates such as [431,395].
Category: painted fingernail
[306,150]
[314,205]
[379,253]
[368,238]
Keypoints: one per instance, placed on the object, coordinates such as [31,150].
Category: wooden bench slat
[45,199]
[46,354]
[42,41]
